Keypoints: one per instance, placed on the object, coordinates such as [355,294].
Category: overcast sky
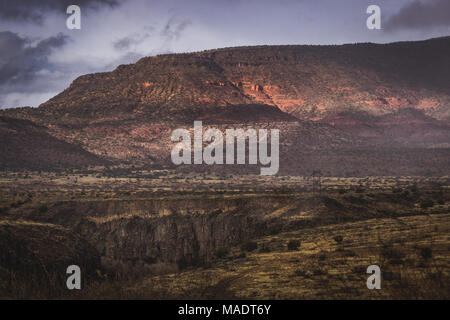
[40,57]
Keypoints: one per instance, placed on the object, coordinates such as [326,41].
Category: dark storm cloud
[171,30]
[420,15]
[124,43]
[34,11]
[20,61]
[174,28]
[127,42]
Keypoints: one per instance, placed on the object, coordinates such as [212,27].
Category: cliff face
[176,231]
[183,231]
[179,232]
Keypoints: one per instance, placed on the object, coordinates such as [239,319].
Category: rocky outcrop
[173,231]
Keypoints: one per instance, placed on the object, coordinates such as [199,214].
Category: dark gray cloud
[420,15]
[35,11]
[128,42]
[24,65]
[174,28]
[20,61]
[124,43]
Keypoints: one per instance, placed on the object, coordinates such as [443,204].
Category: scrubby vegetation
[286,241]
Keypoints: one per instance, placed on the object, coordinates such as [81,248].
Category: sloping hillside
[24,144]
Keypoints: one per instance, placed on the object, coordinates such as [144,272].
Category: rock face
[184,231]
[177,231]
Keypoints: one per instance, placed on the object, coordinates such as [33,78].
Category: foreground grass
[400,224]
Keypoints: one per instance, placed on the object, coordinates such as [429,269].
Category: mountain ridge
[381,95]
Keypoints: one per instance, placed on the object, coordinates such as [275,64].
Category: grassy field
[327,262]
[327,239]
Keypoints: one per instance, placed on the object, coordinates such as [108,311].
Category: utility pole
[316,182]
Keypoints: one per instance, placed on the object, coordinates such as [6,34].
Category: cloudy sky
[40,56]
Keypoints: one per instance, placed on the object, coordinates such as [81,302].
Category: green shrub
[338,239]
[249,246]
[393,255]
[241,255]
[293,244]
[427,204]
[221,253]
[319,272]
[300,273]
[426,253]
[43,208]
[359,190]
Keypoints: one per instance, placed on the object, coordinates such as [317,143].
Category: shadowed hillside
[24,144]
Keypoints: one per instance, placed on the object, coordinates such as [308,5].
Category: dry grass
[323,268]
[409,240]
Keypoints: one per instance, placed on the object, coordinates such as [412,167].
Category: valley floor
[159,235]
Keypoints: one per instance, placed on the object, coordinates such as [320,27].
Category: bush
[338,239]
[300,273]
[249,246]
[221,253]
[43,208]
[359,190]
[293,244]
[319,272]
[426,253]
[241,255]
[393,255]
[427,204]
